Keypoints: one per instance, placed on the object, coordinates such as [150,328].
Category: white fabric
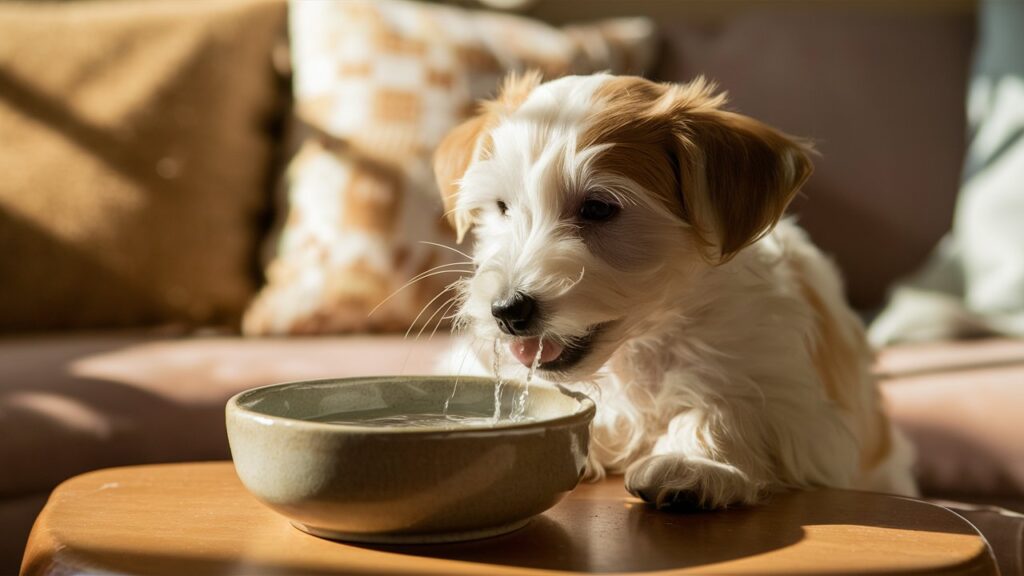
[974,281]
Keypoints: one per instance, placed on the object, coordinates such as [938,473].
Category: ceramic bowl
[399,484]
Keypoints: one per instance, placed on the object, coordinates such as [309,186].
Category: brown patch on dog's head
[452,159]
[641,139]
[729,176]
[470,140]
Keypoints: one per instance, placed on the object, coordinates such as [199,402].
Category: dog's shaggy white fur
[627,238]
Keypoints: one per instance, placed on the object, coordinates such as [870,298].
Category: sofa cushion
[89,401]
[134,159]
[879,92]
[77,402]
[16,518]
[961,405]
[377,85]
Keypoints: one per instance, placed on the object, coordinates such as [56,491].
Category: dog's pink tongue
[525,350]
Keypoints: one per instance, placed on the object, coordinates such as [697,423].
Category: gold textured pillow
[377,85]
[134,157]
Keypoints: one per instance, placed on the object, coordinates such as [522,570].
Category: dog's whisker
[458,375]
[469,348]
[438,267]
[570,284]
[417,278]
[421,276]
[457,251]
[461,324]
[440,307]
[460,321]
[443,306]
[453,302]
[426,306]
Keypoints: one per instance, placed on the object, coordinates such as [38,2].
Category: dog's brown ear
[738,175]
[451,160]
[469,139]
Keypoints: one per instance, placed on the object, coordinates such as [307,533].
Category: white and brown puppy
[627,234]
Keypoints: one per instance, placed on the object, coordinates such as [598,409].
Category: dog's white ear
[738,175]
[469,140]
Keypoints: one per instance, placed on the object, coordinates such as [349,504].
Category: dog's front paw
[674,480]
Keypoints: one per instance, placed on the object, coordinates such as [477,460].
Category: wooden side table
[198,520]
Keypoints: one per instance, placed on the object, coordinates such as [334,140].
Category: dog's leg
[736,456]
[678,480]
[693,465]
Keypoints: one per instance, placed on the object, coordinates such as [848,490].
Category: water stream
[519,405]
[496,369]
[518,410]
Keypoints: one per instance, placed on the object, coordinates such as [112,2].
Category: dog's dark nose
[515,315]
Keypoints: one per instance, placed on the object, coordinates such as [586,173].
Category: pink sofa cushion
[961,404]
[879,92]
[78,402]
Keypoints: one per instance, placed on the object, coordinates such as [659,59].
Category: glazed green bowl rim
[584,415]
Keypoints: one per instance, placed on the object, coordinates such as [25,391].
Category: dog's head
[596,201]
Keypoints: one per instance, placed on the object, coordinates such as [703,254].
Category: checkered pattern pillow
[377,86]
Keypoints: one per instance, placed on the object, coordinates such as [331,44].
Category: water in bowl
[388,419]
[445,419]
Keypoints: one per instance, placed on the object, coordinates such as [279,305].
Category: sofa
[879,87]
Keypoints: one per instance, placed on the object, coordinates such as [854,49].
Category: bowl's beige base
[383,538]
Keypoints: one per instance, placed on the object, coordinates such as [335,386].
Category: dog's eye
[598,210]
[502,207]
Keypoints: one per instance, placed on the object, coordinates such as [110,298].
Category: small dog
[628,235]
